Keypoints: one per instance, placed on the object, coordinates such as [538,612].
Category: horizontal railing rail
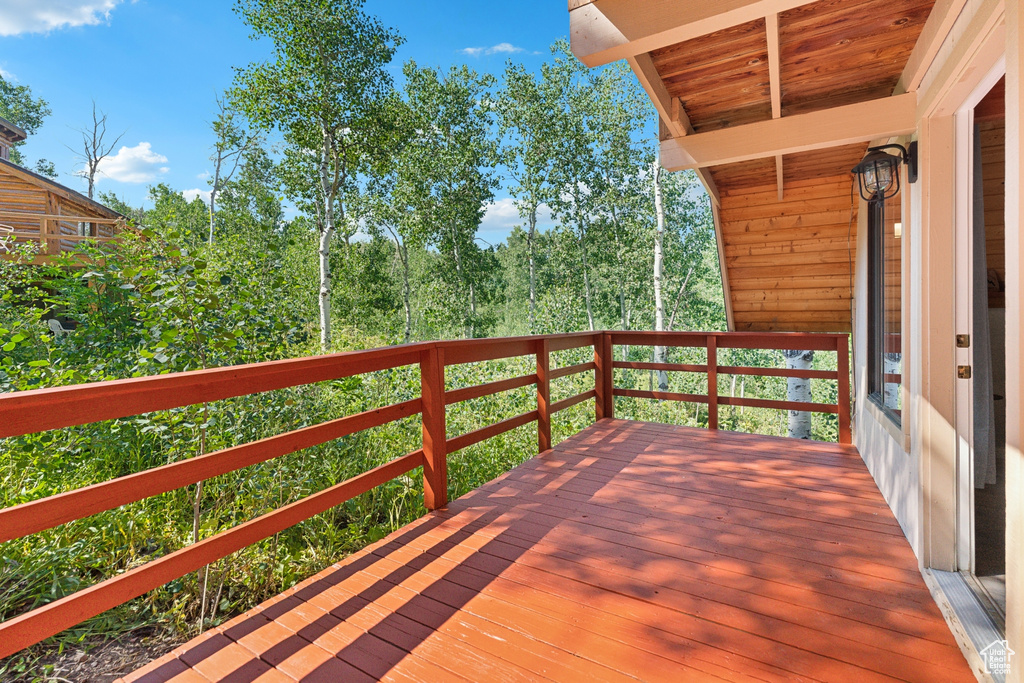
[47,229]
[713,341]
[61,407]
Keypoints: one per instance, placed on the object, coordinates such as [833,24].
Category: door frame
[955,85]
[963,272]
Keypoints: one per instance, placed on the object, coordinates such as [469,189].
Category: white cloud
[190,195]
[203,176]
[501,216]
[138,164]
[500,48]
[507,48]
[7,75]
[42,16]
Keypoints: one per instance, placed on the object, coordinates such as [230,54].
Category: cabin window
[885,297]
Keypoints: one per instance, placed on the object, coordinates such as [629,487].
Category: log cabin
[784,109]
[635,550]
[35,209]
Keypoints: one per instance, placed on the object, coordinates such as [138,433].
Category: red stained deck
[629,551]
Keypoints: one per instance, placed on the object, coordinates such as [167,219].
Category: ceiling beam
[938,25]
[650,79]
[774,66]
[604,31]
[771,25]
[670,112]
[860,122]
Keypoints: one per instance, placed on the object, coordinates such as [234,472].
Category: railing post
[604,400]
[435,436]
[712,381]
[843,369]
[543,396]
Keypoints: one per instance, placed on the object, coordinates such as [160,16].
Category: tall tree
[249,200]
[228,153]
[576,175]
[447,172]
[691,256]
[622,154]
[324,92]
[391,215]
[94,148]
[529,134]
[18,106]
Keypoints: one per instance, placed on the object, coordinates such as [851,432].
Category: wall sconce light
[878,174]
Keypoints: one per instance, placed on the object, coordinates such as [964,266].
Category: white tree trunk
[659,264]
[891,366]
[471,304]
[799,389]
[586,280]
[328,189]
[530,243]
[406,290]
[325,289]
[472,311]
[214,189]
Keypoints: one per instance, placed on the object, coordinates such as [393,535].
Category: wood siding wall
[18,196]
[789,262]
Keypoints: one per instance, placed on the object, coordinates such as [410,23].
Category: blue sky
[154,66]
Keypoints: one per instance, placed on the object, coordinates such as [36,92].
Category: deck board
[631,551]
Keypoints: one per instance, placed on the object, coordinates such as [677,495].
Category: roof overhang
[10,132]
[603,31]
[772,102]
[56,188]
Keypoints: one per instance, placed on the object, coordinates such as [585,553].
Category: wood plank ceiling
[787,224]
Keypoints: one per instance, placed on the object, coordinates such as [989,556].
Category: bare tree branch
[94,148]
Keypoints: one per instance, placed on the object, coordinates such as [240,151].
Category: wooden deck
[630,551]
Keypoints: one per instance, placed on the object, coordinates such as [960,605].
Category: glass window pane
[892,356]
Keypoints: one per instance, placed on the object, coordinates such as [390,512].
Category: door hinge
[963,341]
[963,371]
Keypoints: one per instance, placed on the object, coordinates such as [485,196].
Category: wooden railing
[712,342]
[51,230]
[46,409]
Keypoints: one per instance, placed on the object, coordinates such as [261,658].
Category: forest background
[388,184]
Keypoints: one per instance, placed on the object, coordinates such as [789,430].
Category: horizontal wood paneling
[571,370]
[573,400]
[789,262]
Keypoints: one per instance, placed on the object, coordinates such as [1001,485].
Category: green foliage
[18,106]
